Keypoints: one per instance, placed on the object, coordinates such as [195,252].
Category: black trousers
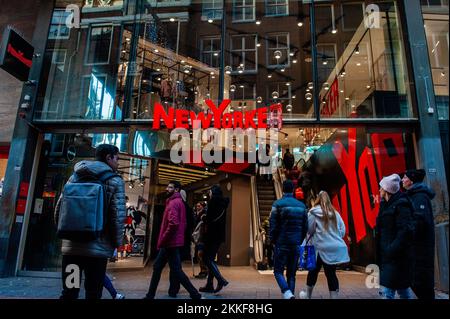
[171,256]
[211,250]
[94,270]
[330,273]
[423,291]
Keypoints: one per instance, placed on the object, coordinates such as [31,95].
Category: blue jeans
[109,286]
[388,293]
[171,256]
[285,257]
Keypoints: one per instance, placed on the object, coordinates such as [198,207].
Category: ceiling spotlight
[187,69]
[277,54]
[131,184]
[443,74]
[294,61]
[172,19]
[124,51]
[300,24]
[158,69]
[210,20]
[258,22]
[212,73]
[342,91]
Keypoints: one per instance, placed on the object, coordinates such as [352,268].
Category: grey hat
[391,183]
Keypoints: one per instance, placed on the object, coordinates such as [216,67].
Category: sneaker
[288,295]
[119,296]
[303,295]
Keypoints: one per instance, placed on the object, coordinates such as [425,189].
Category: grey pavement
[245,283]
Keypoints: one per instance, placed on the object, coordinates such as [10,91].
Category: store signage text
[256,119]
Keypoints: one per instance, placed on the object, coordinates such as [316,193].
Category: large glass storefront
[126,56]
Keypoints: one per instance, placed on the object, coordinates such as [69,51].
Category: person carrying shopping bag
[326,229]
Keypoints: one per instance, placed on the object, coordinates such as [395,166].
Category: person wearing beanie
[394,233]
[423,244]
[288,228]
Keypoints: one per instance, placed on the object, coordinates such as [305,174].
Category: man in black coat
[423,243]
[394,232]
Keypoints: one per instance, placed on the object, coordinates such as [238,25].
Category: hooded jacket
[328,243]
[423,243]
[394,234]
[112,237]
[216,220]
[173,225]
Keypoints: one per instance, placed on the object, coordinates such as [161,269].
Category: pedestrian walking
[82,206]
[327,230]
[288,228]
[215,228]
[394,234]
[170,242]
[423,244]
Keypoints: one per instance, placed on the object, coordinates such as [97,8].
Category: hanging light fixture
[277,54]
[289,108]
[326,86]
[308,96]
[228,69]
[310,85]
[357,49]
[232,87]
[240,68]
[275,95]
[259,99]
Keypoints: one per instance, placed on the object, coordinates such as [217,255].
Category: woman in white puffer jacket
[327,229]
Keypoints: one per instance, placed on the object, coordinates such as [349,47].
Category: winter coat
[394,233]
[215,221]
[113,233]
[288,160]
[329,242]
[288,221]
[173,225]
[423,243]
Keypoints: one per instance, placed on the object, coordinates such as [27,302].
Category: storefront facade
[358,100]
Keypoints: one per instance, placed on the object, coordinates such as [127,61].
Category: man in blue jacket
[288,228]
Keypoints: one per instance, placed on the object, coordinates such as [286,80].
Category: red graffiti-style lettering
[368,187]
[159,113]
[347,162]
[389,160]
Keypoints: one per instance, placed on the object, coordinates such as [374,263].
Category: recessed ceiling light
[172,19]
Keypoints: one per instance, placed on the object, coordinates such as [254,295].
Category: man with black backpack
[90,215]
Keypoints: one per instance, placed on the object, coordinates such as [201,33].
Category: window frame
[64,15]
[89,43]
[363,7]
[215,10]
[211,53]
[244,7]
[277,5]
[287,48]
[254,71]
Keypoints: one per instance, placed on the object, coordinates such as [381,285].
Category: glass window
[99,46]
[211,51]
[243,10]
[212,9]
[277,50]
[243,53]
[277,7]
[437,33]
[58,28]
[362,72]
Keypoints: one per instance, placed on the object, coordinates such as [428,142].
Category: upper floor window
[277,8]
[277,50]
[243,10]
[99,46]
[58,28]
[211,51]
[243,53]
[212,9]
[352,16]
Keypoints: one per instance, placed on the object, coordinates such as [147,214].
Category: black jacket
[215,220]
[423,243]
[288,221]
[394,233]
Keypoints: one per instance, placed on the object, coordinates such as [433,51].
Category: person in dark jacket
[170,242]
[288,228]
[394,232]
[215,223]
[288,160]
[423,243]
[91,257]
